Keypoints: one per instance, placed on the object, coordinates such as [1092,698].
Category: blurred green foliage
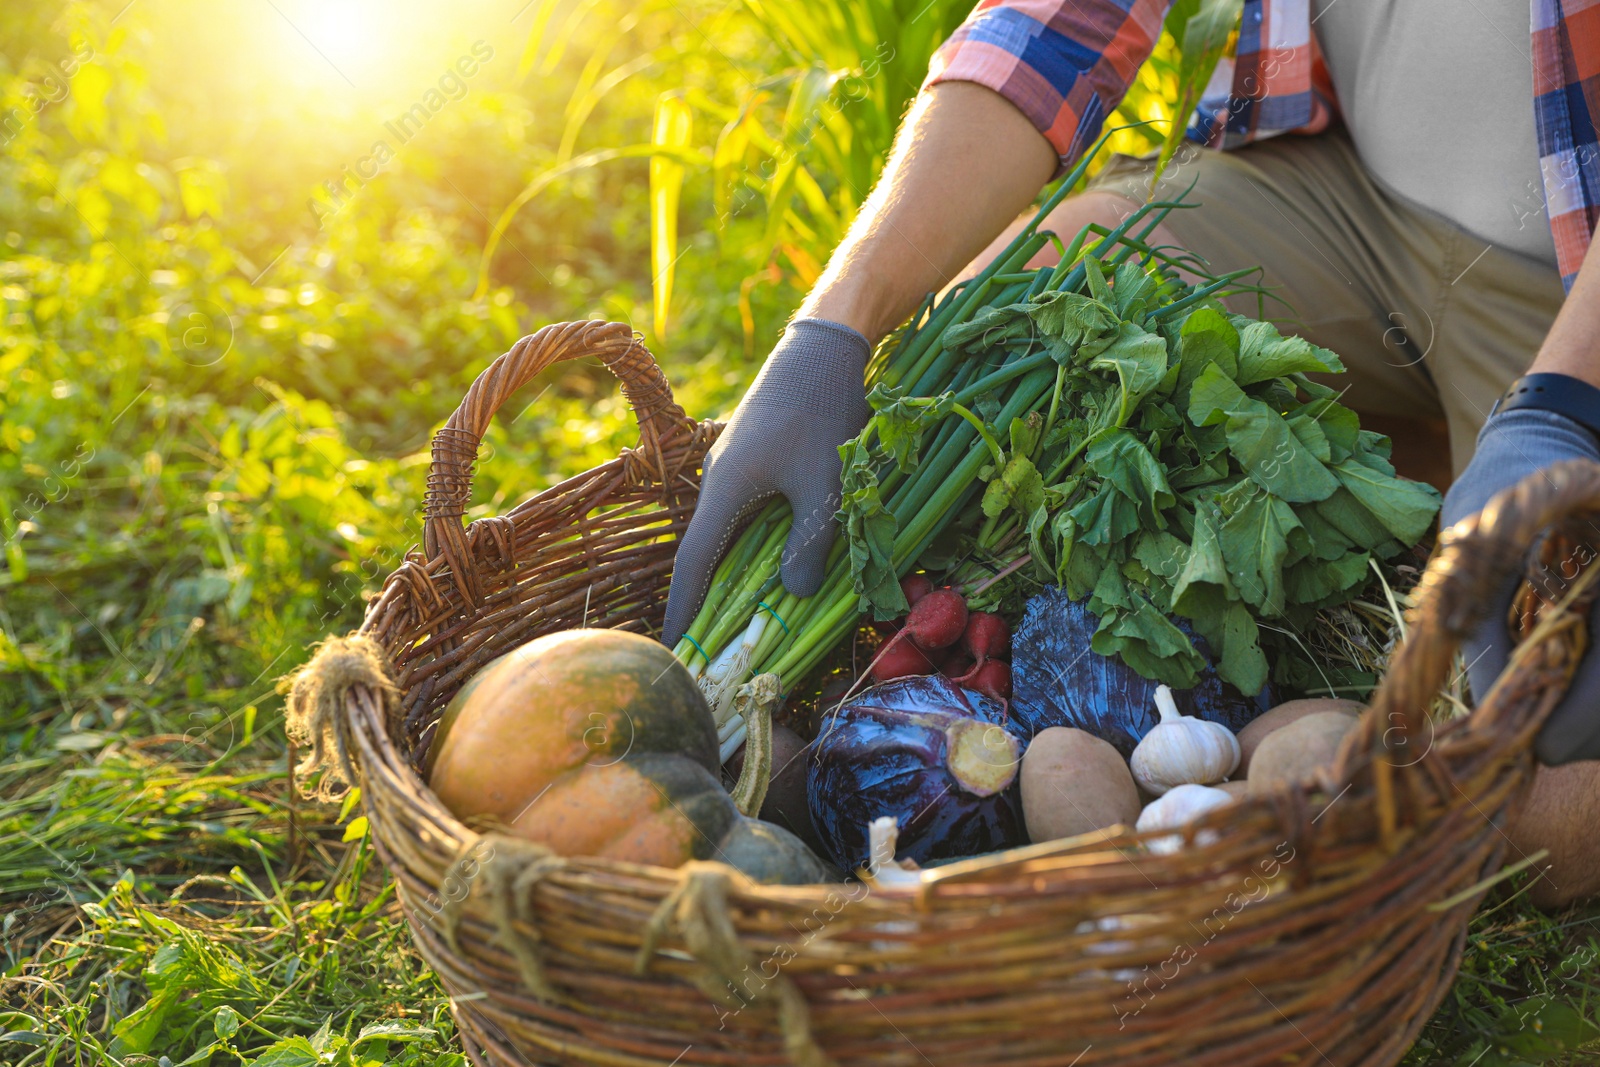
[227,330]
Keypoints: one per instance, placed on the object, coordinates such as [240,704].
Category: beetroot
[986,636]
[915,587]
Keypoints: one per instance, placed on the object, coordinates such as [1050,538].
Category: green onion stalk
[749,624]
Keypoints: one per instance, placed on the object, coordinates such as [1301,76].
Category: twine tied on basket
[647,464]
[696,912]
[314,716]
[508,869]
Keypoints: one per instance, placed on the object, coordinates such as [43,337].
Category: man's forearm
[1572,346]
[964,164]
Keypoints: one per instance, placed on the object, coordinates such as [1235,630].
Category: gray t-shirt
[1438,97]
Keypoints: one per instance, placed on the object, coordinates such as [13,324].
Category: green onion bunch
[929,451]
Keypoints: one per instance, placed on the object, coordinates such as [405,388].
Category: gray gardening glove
[809,399]
[1511,446]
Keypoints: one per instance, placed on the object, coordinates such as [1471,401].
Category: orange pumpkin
[598,743]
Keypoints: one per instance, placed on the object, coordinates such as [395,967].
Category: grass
[163,905]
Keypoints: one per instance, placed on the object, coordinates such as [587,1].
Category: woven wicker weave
[1320,924]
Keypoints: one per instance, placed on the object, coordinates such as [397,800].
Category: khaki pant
[1431,321]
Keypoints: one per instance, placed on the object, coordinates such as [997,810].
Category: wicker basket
[1319,924]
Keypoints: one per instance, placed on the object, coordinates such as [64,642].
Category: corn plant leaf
[673,130]
[535,44]
[727,163]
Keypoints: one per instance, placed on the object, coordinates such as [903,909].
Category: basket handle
[1473,560]
[455,446]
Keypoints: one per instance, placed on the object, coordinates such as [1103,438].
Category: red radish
[957,665]
[915,587]
[986,636]
[991,678]
[937,620]
[901,659]
[985,639]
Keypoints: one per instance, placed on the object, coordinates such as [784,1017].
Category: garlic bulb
[1179,806]
[1182,750]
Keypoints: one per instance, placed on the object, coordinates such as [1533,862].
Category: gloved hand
[808,399]
[1511,446]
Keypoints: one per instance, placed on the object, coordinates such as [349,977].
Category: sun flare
[356,36]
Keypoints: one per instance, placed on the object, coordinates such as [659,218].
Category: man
[1436,240]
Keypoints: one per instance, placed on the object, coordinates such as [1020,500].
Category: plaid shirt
[1067,64]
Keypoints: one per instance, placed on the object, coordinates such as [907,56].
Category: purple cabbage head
[1058,680]
[941,759]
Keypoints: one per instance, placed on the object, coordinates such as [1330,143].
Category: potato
[1294,753]
[1257,729]
[1074,783]
[1238,788]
